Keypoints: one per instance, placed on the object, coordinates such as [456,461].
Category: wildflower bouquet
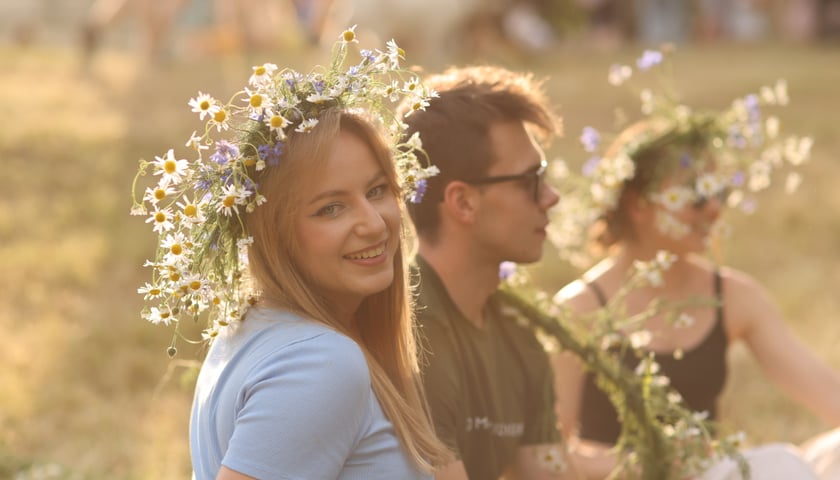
[733,154]
[661,438]
[200,264]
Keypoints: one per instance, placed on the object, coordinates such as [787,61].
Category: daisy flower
[162,220]
[176,248]
[307,125]
[262,74]
[159,317]
[204,105]
[195,143]
[157,194]
[231,197]
[349,35]
[674,198]
[171,169]
[150,291]
[192,211]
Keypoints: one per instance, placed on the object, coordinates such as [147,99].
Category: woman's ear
[460,201]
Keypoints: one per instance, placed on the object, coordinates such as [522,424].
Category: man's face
[512,216]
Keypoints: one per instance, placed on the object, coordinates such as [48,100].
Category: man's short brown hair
[455,127]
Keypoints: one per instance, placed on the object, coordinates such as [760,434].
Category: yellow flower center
[160,217]
[259,71]
[160,194]
[154,291]
[204,105]
[256,101]
[401,52]
[220,116]
[223,323]
[229,201]
[216,301]
[276,121]
[170,166]
[176,249]
[195,284]
[174,276]
[190,210]
[164,314]
[349,36]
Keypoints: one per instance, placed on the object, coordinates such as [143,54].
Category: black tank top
[699,376]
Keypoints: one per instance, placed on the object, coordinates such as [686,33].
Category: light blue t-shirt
[281,397]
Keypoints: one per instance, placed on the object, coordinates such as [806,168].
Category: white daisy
[307,125]
[171,170]
[262,74]
[204,105]
[162,220]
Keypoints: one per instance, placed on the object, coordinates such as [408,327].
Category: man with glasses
[487,378]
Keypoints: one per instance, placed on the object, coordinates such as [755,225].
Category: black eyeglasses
[531,180]
[721,196]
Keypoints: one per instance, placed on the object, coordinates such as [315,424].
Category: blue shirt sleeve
[301,410]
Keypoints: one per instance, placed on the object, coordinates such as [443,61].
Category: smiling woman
[290,240]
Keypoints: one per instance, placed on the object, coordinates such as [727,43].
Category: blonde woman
[291,238]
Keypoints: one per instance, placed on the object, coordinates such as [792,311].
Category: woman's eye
[377,191]
[330,210]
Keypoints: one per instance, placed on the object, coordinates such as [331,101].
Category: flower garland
[661,438]
[742,144]
[200,263]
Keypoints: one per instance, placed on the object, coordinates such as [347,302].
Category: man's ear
[460,201]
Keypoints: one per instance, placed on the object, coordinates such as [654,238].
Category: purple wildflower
[225,152]
[506,270]
[648,59]
[590,138]
[738,179]
[319,85]
[368,55]
[419,190]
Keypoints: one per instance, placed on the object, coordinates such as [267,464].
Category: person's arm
[752,316]
[228,474]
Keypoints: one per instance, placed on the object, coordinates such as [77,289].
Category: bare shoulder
[579,295]
[747,304]
[741,286]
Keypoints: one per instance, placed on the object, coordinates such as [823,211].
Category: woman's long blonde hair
[385,324]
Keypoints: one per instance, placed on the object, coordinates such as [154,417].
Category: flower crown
[743,144]
[200,265]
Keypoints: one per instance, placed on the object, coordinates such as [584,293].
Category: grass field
[86,386]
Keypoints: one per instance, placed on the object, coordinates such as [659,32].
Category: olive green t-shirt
[490,389]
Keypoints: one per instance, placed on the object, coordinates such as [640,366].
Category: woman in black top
[661,206]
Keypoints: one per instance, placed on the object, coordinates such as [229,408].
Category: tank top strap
[602,299]
[718,286]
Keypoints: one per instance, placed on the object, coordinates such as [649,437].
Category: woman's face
[348,226]
[684,210]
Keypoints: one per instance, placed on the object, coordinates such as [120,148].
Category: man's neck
[469,281]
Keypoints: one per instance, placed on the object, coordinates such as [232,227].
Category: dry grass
[86,383]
